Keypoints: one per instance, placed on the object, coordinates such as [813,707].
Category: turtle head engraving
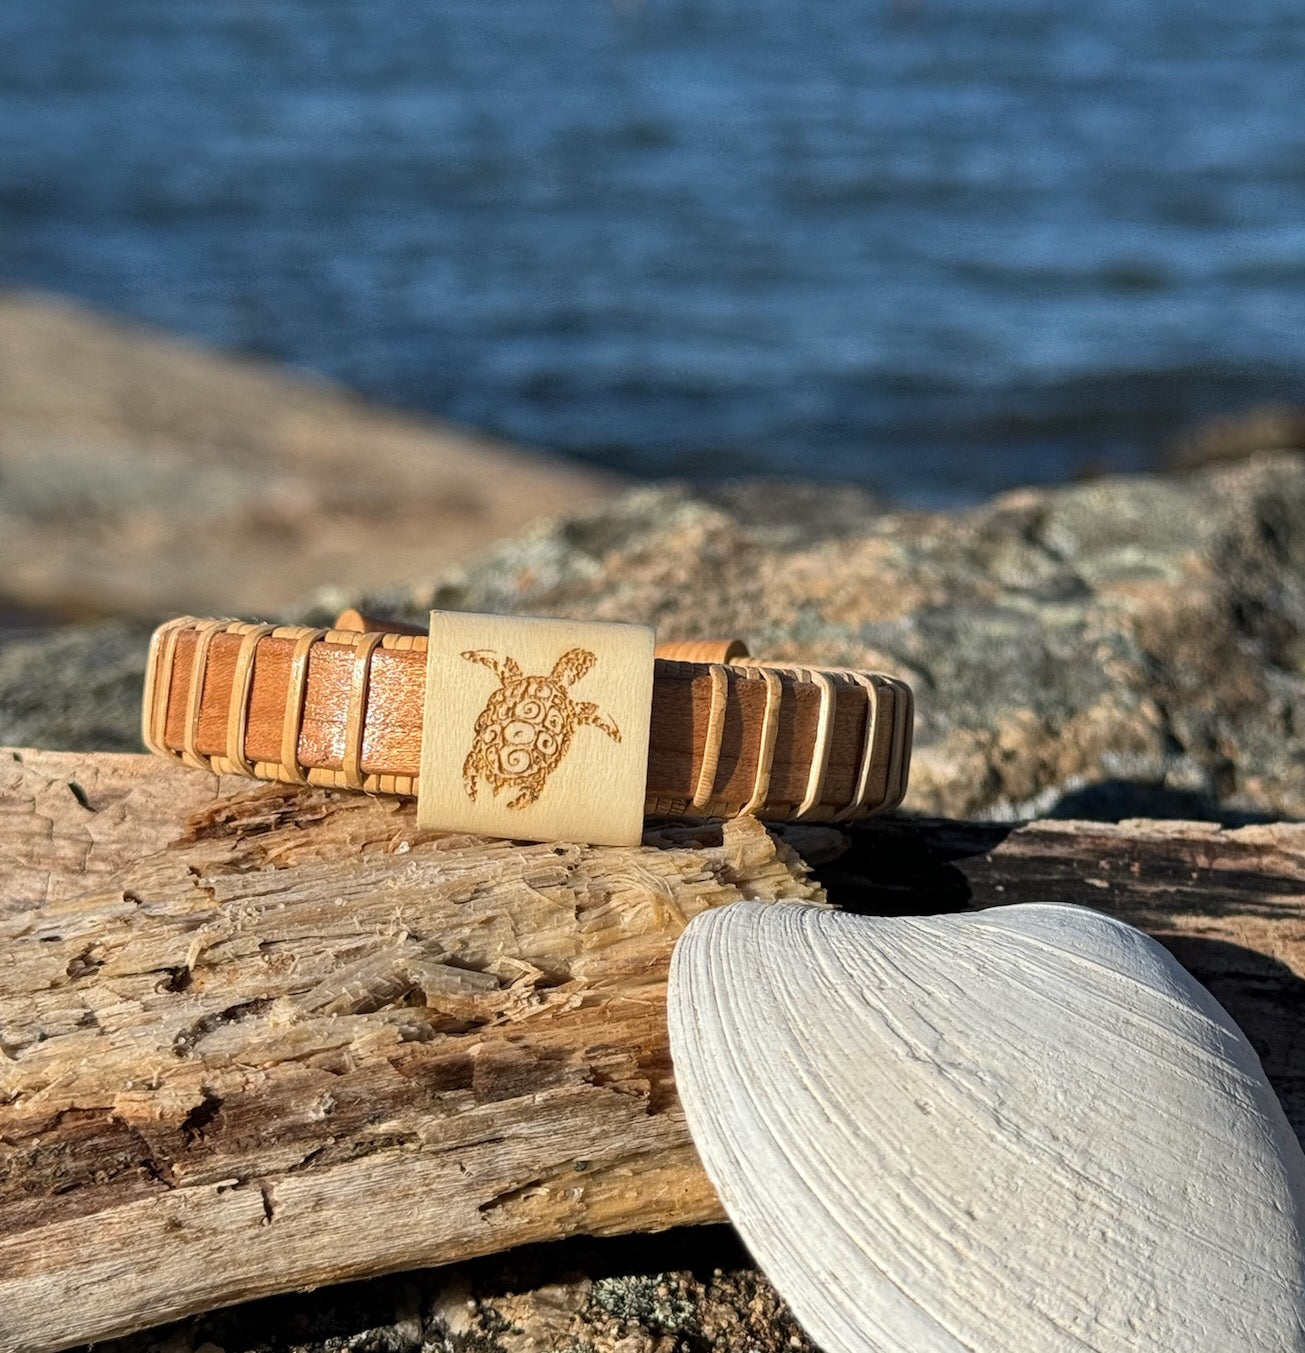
[527,725]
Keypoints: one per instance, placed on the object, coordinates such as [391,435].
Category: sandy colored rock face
[1123,648]
[143,476]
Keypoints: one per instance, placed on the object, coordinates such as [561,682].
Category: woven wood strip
[297,690]
[766,734]
[238,708]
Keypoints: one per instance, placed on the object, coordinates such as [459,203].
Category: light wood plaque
[536,730]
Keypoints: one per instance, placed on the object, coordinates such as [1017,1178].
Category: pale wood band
[343,708]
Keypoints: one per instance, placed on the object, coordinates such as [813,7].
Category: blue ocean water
[937,246]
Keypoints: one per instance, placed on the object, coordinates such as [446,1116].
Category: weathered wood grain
[258,1039]
[254,1038]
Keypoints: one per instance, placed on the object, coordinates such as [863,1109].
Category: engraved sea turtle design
[524,730]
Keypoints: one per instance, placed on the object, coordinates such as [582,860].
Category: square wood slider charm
[536,729]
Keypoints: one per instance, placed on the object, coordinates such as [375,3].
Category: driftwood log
[257,1038]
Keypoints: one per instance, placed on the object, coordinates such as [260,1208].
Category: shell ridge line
[827,1139]
[805,1157]
[702,965]
[936,1211]
[1013,945]
[894,960]
[716,977]
[1041,1145]
[703,996]
[1169,970]
[1231,1043]
[891,1239]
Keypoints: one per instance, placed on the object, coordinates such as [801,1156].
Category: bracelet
[343,708]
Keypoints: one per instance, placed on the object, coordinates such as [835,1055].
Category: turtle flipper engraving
[588,712]
[571,666]
[507,670]
[527,724]
[525,798]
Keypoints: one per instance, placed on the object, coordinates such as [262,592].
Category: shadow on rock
[693,1289]
[1117,800]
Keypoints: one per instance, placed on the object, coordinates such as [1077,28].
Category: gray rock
[77,687]
[1126,647]
[609,1296]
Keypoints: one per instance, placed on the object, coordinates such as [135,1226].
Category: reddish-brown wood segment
[681,715]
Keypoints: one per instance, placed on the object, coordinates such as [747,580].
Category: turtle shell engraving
[527,725]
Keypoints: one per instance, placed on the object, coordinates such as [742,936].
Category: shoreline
[142,475]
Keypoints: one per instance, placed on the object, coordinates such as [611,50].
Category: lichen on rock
[1131,646]
[572,1297]
[1127,647]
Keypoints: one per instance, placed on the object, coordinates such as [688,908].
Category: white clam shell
[1006,1131]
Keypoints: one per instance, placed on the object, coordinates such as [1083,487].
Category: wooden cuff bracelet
[343,707]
